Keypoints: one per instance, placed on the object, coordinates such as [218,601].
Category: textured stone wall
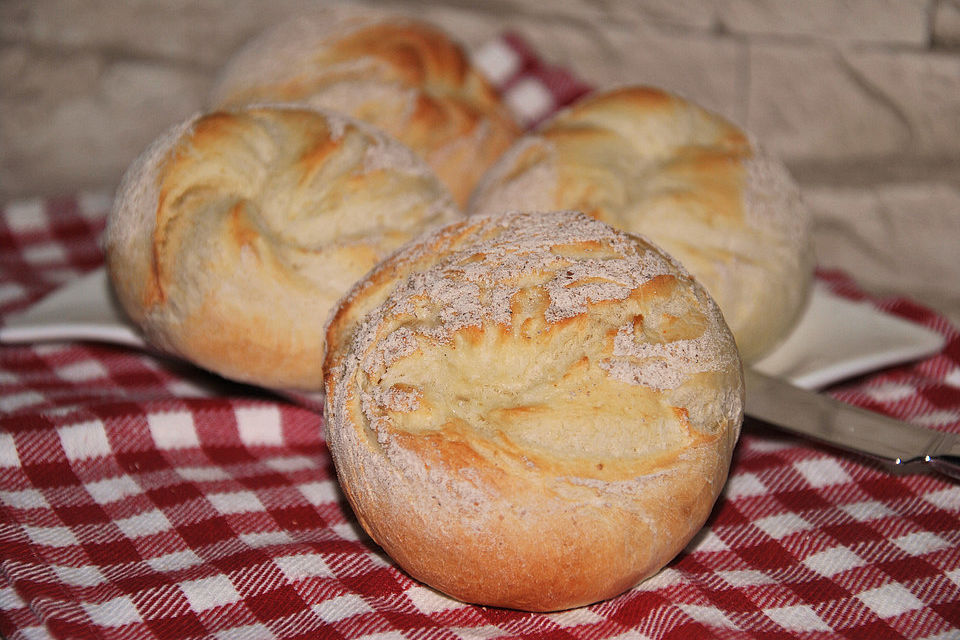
[860,97]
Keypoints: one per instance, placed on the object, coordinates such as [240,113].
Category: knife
[820,417]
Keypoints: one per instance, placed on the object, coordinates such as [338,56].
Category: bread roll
[233,235]
[404,76]
[649,162]
[532,411]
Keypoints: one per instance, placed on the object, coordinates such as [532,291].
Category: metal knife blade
[820,417]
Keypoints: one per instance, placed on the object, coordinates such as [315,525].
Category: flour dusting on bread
[530,377]
[476,285]
[236,232]
[405,76]
[647,161]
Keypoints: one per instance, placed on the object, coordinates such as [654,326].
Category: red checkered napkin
[532,88]
[142,498]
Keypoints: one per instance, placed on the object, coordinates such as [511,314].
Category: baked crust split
[531,410]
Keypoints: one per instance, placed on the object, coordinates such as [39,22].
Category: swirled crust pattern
[233,235]
[532,411]
[650,162]
[402,75]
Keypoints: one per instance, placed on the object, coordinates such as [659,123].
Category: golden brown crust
[531,410]
[235,233]
[650,162]
[404,76]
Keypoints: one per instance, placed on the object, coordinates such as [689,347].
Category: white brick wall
[884,22]
[860,97]
[85,84]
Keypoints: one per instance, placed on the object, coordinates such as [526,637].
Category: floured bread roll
[233,234]
[650,162]
[404,76]
[532,411]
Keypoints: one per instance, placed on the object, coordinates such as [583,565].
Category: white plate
[84,309]
[837,339]
[834,340]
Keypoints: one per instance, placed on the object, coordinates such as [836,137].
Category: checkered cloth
[142,498]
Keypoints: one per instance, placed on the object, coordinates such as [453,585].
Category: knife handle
[946,456]
[947,465]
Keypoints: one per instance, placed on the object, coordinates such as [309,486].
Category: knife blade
[825,419]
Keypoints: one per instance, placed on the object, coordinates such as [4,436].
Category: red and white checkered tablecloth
[142,498]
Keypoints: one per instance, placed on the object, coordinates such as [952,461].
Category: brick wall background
[860,97]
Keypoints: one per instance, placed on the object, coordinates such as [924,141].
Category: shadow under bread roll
[650,162]
[403,75]
[533,411]
[234,234]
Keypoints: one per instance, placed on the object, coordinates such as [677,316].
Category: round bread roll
[533,411]
[234,234]
[404,76]
[649,162]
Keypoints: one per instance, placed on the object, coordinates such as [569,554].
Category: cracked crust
[402,75]
[650,162]
[235,233]
[532,411]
